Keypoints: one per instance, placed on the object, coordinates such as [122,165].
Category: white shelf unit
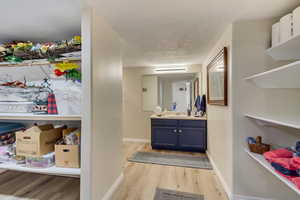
[282,77]
[58,171]
[261,160]
[288,50]
[275,122]
[29,116]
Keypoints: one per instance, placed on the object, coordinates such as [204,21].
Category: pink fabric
[278,153]
[285,162]
[296,181]
[295,162]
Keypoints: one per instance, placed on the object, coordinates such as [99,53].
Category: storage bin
[41,162]
[37,141]
[296,21]
[286,28]
[275,34]
[67,156]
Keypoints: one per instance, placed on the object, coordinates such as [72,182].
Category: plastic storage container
[45,161]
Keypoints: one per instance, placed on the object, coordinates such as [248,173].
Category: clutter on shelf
[41,97]
[40,146]
[19,51]
[286,162]
[256,145]
[67,149]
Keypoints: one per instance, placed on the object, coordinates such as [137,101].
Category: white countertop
[183,117]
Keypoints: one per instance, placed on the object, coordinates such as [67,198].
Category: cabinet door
[164,137]
[193,139]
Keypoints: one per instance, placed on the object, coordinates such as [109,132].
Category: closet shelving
[288,50]
[261,160]
[282,77]
[72,172]
[29,116]
[49,171]
[274,122]
[285,77]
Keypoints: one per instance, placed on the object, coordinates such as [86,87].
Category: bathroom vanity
[179,133]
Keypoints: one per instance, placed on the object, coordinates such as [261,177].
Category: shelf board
[289,50]
[30,116]
[41,62]
[261,160]
[282,77]
[274,121]
[58,171]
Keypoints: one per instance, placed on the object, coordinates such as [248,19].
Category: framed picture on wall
[217,77]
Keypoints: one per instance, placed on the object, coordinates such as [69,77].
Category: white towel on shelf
[296,21]
[286,28]
[275,34]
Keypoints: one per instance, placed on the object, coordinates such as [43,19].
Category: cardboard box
[67,156]
[37,141]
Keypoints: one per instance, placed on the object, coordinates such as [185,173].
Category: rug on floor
[163,194]
[199,162]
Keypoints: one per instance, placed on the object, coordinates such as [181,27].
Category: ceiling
[154,31]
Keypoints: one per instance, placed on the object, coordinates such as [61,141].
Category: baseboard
[136,140]
[240,197]
[113,188]
[219,175]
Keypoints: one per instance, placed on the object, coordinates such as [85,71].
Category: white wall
[102,117]
[219,119]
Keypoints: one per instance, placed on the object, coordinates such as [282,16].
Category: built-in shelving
[58,171]
[282,77]
[275,122]
[288,50]
[261,160]
[30,116]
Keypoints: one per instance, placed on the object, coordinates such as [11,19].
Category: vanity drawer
[192,123]
[163,122]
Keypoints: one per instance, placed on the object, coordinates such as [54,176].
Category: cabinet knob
[175,130]
[180,131]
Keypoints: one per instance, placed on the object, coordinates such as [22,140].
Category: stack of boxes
[38,144]
[286,28]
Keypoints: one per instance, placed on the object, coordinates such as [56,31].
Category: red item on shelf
[278,153]
[296,181]
[295,162]
[52,107]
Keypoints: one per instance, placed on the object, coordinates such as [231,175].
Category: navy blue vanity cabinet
[184,135]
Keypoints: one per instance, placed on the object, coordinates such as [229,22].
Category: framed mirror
[217,76]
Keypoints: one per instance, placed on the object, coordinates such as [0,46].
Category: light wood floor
[27,186]
[141,180]
[139,183]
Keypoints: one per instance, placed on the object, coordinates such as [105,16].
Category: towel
[198,103]
[278,153]
[203,104]
[296,181]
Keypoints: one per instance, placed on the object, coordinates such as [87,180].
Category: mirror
[172,92]
[217,79]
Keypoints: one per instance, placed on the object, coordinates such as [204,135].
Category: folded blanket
[278,153]
[288,172]
[296,181]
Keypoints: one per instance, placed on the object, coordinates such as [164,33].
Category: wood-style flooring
[141,180]
[28,186]
[139,183]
